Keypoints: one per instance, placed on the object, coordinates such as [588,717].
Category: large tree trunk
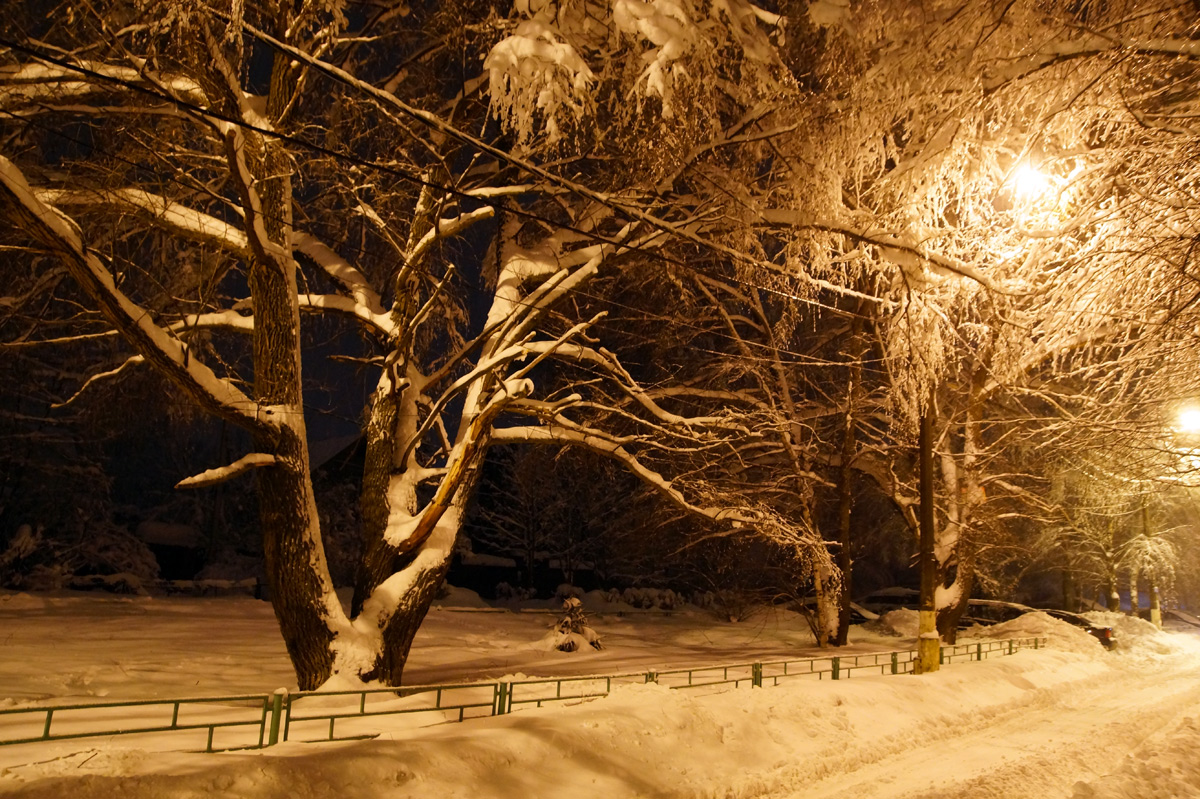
[963,576]
[397,583]
[955,562]
[294,558]
[422,576]
[377,560]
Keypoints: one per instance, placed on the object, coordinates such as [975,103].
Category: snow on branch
[43,81]
[905,253]
[446,228]
[707,393]
[381,322]
[59,233]
[220,474]
[265,249]
[343,272]
[533,72]
[602,444]
[1057,51]
[227,320]
[629,210]
[606,362]
[188,222]
[133,361]
[486,366]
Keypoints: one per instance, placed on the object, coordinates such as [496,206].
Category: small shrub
[573,630]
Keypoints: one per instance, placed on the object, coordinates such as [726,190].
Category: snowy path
[1043,747]
[1070,720]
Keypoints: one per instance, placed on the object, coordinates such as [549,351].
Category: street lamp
[1029,184]
[1188,420]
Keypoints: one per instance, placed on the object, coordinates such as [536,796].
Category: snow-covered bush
[566,591]
[30,562]
[34,561]
[726,603]
[572,633]
[648,598]
[108,549]
[507,593]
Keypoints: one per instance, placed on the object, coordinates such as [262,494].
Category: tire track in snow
[1043,747]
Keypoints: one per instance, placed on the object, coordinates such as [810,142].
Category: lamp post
[1188,420]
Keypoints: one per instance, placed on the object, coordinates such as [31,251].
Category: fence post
[941,655]
[276,714]
[1036,641]
[837,668]
[652,676]
[500,699]
[1010,646]
[895,662]
[756,675]
[979,651]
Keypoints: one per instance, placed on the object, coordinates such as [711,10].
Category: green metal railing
[255,721]
[304,710]
[255,714]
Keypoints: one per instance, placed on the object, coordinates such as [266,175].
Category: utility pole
[928,643]
[1155,602]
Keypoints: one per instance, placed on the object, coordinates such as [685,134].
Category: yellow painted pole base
[929,646]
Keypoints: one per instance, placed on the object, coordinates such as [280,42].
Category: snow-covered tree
[337,184]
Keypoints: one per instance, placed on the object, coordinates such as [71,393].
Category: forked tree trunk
[949,616]
[294,557]
[377,561]
[955,560]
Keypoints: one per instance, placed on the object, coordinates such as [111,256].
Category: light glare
[1029,184]
[1189,420]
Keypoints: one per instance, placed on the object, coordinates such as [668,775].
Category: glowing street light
[1029,184]
[1188,420]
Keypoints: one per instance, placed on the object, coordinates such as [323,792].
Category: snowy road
[1079,740]
[1069,720]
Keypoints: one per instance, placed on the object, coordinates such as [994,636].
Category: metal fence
[255,721]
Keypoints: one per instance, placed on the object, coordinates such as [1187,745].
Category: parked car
[887,599]
[858,614]
[1101,633]
[986,612]
[979,611]
[994,611]
[1176,621]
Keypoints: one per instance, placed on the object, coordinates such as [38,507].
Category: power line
[654,254]
[659,224]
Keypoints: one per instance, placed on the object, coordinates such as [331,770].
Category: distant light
[1030,184]
[1189,420]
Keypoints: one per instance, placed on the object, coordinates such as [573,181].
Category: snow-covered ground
[1070,720]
